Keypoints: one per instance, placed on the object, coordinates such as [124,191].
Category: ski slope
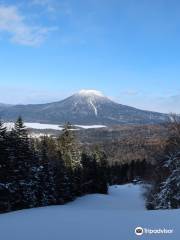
[92,217]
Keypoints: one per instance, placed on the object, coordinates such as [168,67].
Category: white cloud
[14,24]
[54,7]
[49,4]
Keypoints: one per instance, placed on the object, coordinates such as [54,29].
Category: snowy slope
[93,217]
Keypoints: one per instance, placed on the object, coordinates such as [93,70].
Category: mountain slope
[85,107]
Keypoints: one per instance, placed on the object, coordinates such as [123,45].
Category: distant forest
[46,171]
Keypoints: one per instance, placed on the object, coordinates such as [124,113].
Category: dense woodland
[48,171]
[55,170]
[45,171]
[121,143]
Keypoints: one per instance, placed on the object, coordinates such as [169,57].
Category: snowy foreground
[92,217]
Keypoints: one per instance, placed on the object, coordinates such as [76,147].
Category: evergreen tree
[165,192]
[3,153]
[20,167]
[95,175]
[47,191]
[102,181]
[69,147]
[168,196]
[71,155]
[4,171]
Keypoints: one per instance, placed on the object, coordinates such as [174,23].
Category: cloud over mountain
[14,25]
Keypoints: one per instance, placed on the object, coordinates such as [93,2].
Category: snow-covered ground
[92,217]
[42,126]
[90,126]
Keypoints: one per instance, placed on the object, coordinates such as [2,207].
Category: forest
[48,171]
[45,171]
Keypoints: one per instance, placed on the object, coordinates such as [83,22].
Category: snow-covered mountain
[85,107]
[4,105]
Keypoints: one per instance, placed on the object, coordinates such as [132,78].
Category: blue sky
[128,49]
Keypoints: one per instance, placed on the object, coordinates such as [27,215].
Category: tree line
[134,171]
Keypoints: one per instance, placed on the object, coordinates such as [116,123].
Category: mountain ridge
[84,107]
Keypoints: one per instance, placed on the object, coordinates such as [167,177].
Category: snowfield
[43,126]
[92,217]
